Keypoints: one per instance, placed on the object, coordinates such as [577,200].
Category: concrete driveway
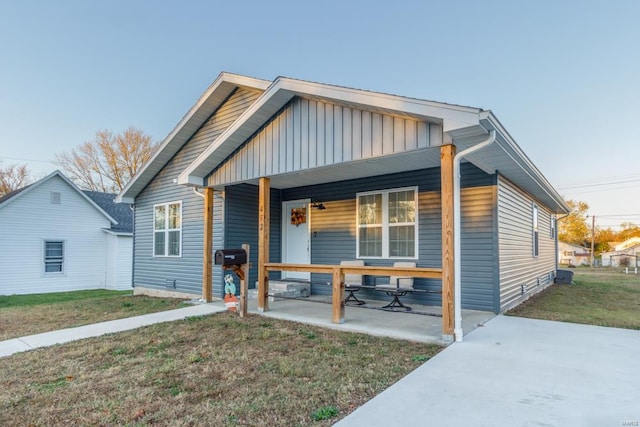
[519,372]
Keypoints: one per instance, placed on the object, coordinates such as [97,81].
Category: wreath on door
[298,216]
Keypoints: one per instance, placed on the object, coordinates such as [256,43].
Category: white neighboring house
[625,254]
[573,255]
[56,237]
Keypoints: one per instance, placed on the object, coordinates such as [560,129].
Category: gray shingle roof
[121,212]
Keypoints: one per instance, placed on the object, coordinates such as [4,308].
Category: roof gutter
[457,267]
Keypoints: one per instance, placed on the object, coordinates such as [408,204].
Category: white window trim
[553,226]
[44,257]
[385,223]
[535,230]
[166,230]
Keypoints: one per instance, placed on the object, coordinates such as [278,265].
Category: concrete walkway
[62,336]
[519,372]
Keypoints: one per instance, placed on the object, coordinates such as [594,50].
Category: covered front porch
[422,324]
[443,275]
[302,137]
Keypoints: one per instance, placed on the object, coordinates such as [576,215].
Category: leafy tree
[573,228]
[13,177]
[107,162]
[603,237]
[628,230]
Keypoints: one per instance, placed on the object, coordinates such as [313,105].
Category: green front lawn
[600,296]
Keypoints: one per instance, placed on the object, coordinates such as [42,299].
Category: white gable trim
[66,180]
[208,103]
[284,89]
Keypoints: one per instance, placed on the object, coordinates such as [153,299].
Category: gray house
[314,174]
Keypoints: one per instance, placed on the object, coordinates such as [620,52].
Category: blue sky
[562,76]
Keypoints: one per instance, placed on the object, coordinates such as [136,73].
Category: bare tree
[108,161]
[13,177]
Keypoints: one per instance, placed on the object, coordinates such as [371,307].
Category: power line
[601,182]
[26,160]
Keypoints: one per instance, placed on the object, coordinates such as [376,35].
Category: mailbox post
[237,260]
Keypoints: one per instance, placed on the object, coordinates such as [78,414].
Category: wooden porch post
[207,256]
[338,296]
[264,222]
[447,152]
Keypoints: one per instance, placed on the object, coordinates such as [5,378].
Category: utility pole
[593,236]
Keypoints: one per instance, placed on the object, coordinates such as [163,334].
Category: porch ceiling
[501,157]
[408,161]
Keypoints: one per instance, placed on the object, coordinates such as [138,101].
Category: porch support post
[264,222]
[447,153]
[207,256]
[338,296]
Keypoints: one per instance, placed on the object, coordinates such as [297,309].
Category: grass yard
[215,370]
[602,296]
[22,315]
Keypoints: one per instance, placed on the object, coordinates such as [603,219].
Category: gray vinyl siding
[521,273]
[241,224]
[333,231]
[307,134]
[186,270]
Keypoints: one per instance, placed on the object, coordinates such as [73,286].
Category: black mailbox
[231,257]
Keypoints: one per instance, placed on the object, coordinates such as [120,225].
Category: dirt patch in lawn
[214,370]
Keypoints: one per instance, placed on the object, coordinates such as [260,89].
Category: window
[553,227]
[387,226]
[53,256]
[535,230]
[167,229]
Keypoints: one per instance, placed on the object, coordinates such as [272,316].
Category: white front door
[296,242]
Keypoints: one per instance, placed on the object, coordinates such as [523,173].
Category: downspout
[457,231]
[195,190]
[133,247]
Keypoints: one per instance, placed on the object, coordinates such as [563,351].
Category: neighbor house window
[167,229]
[535,230]
[53,256]
[387,225]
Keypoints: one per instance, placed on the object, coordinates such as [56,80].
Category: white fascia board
[224,84]
[191,180]
[265,106]
[70,183]
[429,110]
[87,198]
[510,147]
[117,233]
[126,199]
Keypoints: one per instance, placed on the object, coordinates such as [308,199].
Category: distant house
[625,254]
[347,174]
[573,255]
[56,237]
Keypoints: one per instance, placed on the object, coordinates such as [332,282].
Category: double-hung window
[53,256]
[387,223]
[167,229]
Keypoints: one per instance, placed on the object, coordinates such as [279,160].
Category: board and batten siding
[521,273]
[333,231]
[30,220]
[307,134]
[184,273]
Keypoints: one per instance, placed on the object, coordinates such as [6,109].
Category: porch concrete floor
[420,324]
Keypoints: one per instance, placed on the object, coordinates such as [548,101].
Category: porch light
[317,204]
